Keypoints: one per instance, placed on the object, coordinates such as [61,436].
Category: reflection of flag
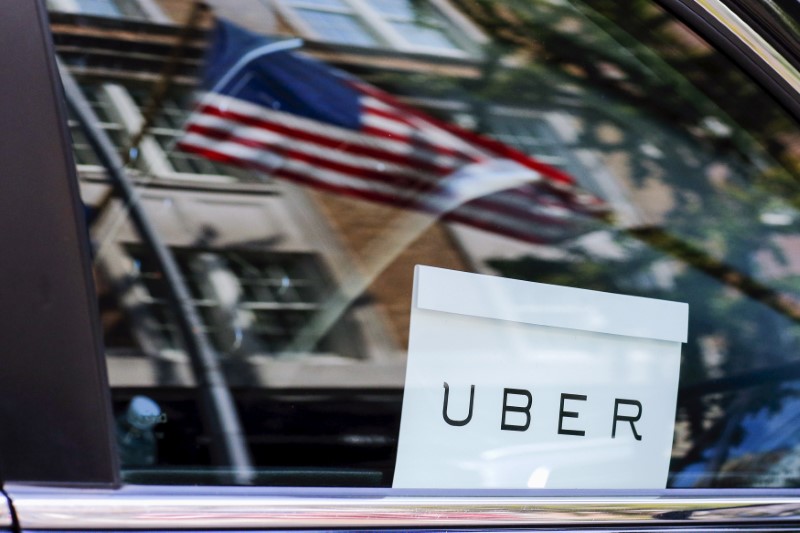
[294,118]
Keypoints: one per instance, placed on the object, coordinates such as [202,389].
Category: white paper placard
[512,384]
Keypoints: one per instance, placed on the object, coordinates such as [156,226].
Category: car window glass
[668,174]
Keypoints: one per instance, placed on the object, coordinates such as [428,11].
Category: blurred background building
[276,247]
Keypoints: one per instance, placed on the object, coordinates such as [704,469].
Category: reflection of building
[261,256]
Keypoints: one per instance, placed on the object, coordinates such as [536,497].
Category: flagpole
[252,55]
[228,444]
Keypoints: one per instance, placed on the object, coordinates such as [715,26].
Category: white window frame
[468,36]
[149,8]
[155,161]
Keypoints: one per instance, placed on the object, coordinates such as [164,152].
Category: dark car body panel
[54,379]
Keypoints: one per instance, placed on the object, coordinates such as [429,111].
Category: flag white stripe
[269,162]
[443,137]
[344,135]
[262,135]
[504,200]
[410,144]
[272,160]
[259,135]
[421,133]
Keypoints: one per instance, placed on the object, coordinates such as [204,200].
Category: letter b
[526,410]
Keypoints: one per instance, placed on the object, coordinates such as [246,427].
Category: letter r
[624,418]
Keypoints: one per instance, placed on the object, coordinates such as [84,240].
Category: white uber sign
[512,384]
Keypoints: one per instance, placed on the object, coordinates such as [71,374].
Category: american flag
[292,117]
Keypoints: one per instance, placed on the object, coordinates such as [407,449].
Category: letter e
[562,414]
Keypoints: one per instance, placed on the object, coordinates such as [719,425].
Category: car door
[193,346]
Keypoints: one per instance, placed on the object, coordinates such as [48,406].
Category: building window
[406,25]
[334,20]
[82,150]
[250,303]
[531,133]
[168,126]
[101,8]
[119,111]
[110,8]
[417,22]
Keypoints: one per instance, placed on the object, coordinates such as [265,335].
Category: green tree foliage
[637,71]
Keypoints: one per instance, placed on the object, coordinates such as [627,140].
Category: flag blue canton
[281,81]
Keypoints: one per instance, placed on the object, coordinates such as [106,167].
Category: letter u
[446,401]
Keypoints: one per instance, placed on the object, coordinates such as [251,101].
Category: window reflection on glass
[100,7]
[424,36]
[167,126]
[418,23]
[396,24]
[694,165]
[392,8]
[338,27]
[104,8]
[332,4]
[250,304]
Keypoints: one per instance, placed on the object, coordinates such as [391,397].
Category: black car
[228,227]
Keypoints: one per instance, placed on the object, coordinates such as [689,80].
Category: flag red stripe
[559,178]
[419,159]
[473,155]
[489,204]
[395,178]
[534,236]
[419,143]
